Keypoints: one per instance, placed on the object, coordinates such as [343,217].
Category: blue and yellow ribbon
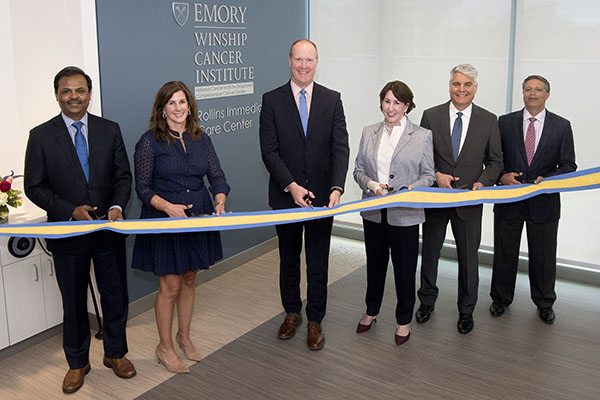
[417,198]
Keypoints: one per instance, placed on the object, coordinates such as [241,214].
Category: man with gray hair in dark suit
[467,155]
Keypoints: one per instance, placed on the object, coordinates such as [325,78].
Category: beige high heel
[176,369]
[192,356]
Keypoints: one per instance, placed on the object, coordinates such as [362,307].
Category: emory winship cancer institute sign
[219,67]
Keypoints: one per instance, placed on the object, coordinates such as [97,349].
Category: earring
[164,115]
[189,112]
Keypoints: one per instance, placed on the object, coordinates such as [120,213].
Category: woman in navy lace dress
[171,161]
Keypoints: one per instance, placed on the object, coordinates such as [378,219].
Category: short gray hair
[466,69]
[539,78]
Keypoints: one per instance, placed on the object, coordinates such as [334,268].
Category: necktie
[82,151]
[456,133]
[303,110]
[530,141]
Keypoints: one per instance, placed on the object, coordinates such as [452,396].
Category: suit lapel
[405,138]
[315,104]
[518,132]
[473,127]
[290,103]
[547,133]
[93,144]
[66,146]
[374,146]
[444,133]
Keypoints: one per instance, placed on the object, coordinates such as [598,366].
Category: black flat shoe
[497,309]
[465,323]
[363,328]
[424,313]
[547,315]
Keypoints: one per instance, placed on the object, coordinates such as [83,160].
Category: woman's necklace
[176,137]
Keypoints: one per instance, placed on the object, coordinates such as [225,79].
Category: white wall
[362,45]
[40,37]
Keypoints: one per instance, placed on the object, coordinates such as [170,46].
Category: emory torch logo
[181,12]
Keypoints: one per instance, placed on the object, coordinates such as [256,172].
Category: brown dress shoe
[74,379]
[315,339]
[122,367]
[287,330]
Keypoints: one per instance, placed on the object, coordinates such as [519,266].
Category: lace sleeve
[143,159]
[215,175]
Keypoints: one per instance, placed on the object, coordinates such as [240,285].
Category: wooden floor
[237,315]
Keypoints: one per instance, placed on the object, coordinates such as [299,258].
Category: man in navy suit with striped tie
[536,144]
[76,168]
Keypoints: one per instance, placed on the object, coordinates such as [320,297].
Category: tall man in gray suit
[304,145]
[467,155]
[536,144]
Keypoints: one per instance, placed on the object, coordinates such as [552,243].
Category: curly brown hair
[158,123]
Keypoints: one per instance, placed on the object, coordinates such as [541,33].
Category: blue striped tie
[303,110]
[456,133]
[82,150]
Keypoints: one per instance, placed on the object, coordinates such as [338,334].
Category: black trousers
[467,234]
[317,238]
[403,242]
[541,243]
[107,250]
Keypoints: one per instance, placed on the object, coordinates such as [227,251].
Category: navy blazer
[54,179]
[316,161]
[480,158]
[554,155]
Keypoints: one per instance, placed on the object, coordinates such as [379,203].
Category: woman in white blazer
[394,154]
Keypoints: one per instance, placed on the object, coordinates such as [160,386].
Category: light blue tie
[82,151]
[456,133]
[303,110]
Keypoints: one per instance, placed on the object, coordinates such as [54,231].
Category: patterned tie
[82,151]
[303,110]
[530,141]
[456,133]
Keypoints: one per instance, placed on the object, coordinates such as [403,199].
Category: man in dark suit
[76,168]
[304,145]
[468,156]
[536,144]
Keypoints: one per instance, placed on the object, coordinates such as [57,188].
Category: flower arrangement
[8,196]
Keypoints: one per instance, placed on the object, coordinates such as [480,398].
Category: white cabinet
[24,297]
[3,321]
[29,295]
[52,298]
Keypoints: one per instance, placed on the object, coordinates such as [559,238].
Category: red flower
[4,186]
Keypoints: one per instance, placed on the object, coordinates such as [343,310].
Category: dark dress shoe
[401,339]
[363,328]
[122,367]
[424,313]
[547,315]
[287,330]
[74,379]
[465,323]
[497,309]
[315,339]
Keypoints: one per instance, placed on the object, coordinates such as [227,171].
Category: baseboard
[570,270]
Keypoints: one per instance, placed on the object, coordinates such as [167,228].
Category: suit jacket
[55,182]
[480,159]
[412,164]
[316,161]
[554,155]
